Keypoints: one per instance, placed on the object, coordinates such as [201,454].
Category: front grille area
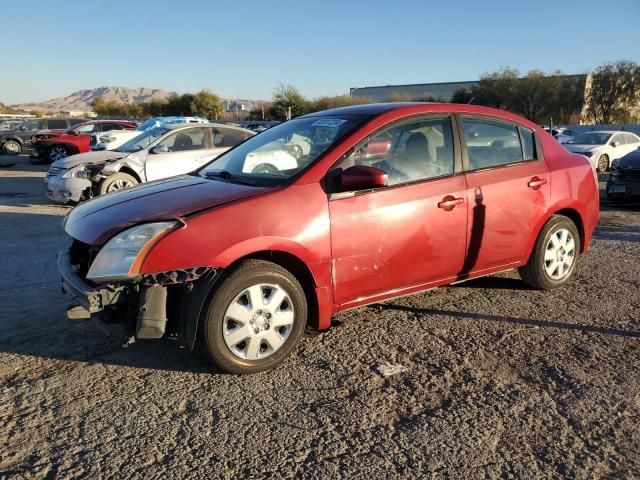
[54,171]
[81,256]
[628,174]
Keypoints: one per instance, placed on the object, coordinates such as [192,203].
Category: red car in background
[388,200]
[52,146]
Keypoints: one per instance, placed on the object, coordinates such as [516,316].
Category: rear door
[187,150]
[508,191]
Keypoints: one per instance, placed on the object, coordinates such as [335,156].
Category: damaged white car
[157,153]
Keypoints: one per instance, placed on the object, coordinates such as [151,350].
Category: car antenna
[472,99]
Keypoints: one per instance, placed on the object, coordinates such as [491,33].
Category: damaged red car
[324,213]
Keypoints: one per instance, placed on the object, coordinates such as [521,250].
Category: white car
[158,153]
[112,140]
[603,147]
[563,134]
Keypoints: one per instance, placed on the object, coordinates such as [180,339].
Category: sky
[245,49]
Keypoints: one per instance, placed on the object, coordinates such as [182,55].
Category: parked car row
[14,142]
[50,145]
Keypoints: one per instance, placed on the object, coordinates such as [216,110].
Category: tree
[325,103]
[614,89]
[6,109]
[285,97]
[533,96]
[496,89]
[207,104]
[462,95]
[569,99]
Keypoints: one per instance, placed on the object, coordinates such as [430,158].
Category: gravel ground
[500,380]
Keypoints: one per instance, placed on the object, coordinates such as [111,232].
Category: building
[415,91]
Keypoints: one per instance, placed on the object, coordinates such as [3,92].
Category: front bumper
[64,190]
[80,293]
[623,190]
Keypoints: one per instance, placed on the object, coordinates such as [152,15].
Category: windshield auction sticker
[328,122]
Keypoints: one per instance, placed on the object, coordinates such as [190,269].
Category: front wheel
[255,318]
[58,152]
[11,147]
[603,163]
[555,255]
[116,182]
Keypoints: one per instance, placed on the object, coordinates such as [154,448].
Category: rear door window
[492,143]
[56,124]
[228,137]
[110,126]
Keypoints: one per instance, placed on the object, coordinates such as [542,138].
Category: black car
[13,142]
[624,178]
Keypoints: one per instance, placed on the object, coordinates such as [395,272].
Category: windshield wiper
[224,174]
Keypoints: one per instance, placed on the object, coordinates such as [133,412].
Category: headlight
[76,172]
[122,256]
[614,164]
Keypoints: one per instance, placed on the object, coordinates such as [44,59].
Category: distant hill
[81,100]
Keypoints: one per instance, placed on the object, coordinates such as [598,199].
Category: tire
[57,152]
[603,163]
[265,168]
[116,182]
[241,338]
[540,272]
[11,147]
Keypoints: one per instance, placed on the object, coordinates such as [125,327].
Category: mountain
[81,100]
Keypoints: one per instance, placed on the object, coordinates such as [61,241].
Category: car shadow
[494,283]
[510,320]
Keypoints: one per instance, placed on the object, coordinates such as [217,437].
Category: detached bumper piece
[85,300]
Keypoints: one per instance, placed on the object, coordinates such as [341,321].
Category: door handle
[449,202]
[536,182]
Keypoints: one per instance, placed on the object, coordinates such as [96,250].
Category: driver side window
[184,140]
[408,152]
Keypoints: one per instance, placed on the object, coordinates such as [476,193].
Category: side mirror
[362,177]
[160,149]
[615,144]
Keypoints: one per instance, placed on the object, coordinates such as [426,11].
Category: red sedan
[324,213]
[76,139]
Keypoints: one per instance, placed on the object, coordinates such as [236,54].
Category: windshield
[591,138]
[142,141]
[282,151]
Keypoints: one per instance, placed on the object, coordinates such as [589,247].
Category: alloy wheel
[57,153]
[560,254]
[258,321]
[119,184]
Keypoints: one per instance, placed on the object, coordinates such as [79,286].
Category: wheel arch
[129,171]
[568,211]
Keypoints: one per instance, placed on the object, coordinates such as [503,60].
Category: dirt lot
[501,380]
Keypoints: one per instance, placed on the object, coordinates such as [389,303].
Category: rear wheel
[603,163]
[254,318]
[115,182]
[554,258]
[11,147]
[58,152]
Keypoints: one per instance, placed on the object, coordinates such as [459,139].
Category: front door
[508,192]
[406,235]
[186,151]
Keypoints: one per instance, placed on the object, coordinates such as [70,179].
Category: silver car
[157,153]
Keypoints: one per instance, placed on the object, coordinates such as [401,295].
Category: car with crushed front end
[160,152]
[20,140]
[389,200]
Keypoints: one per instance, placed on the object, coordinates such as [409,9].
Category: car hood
[579,148]
[98,220]
[88,158]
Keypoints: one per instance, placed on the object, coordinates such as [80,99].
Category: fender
[556,207]
[116,166]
